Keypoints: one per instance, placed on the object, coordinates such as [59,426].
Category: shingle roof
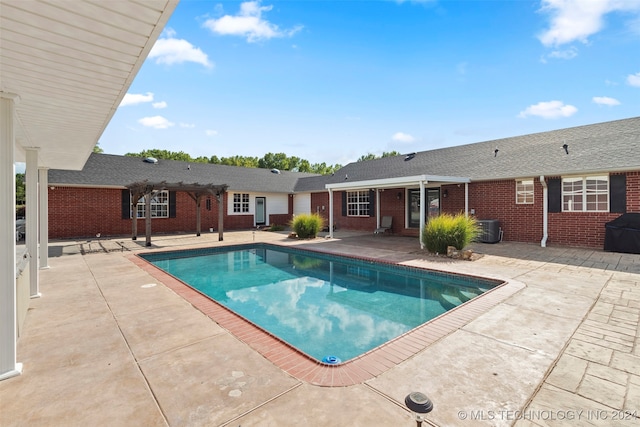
[118,171]
[597,148]
[602,147]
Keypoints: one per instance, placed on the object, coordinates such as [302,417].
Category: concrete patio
[107,344]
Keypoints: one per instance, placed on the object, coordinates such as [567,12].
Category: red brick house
[559,187]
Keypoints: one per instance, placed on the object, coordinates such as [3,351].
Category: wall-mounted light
[445,193]
[399,195]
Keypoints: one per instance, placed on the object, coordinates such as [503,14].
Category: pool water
[329,307]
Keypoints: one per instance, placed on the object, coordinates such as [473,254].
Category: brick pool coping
[355,371]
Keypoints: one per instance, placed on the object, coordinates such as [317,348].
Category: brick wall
[523,223]
[84,212]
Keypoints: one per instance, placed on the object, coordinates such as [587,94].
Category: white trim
[395,182]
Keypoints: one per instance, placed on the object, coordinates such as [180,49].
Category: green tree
[163,154]
[97,148]
[20,189]
[371,156]
[324,169]
[277,161]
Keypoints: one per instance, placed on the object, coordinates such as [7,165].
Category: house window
[358,203]
[585,194]
[159,206]
[524,191]
[240,202]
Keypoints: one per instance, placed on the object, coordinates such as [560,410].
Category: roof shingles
[597,148]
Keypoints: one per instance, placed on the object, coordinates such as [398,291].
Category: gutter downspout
[545,212]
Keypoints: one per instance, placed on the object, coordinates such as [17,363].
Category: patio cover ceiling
[71,63]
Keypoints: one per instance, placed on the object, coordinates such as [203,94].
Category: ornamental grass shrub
[307,226]
[449,230]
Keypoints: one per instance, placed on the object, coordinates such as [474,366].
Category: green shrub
[307,226]
[449,230]
[275,227]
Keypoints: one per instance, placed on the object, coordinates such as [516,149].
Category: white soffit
[71,63]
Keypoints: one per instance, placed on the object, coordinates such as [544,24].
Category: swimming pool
[331,308]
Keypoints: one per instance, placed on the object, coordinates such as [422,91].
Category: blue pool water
[324,305]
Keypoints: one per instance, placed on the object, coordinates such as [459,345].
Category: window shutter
[372,203]
[172,204]
[555,194]
[618,193]
[126,204]
[344,203]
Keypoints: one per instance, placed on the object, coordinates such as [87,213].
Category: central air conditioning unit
[490,231]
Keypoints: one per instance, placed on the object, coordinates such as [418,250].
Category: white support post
[423,206]
[31,180]
[377,208]
[8,309]
[43,184]
[466,199]
[330,213]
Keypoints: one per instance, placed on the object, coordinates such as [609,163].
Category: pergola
[196,191]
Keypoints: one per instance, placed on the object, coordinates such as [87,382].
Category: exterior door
[432,208]
[261,211]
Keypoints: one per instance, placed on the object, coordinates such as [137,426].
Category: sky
[330,81]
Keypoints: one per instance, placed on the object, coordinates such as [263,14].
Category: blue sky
[329,81]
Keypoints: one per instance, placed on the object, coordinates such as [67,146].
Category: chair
[385,225]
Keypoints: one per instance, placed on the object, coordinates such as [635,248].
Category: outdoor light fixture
[399,195]
[419,404]
[445,193]
[566,148]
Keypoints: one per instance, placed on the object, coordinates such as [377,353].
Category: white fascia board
[395,182]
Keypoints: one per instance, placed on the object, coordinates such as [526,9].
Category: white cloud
[159,105]
[136,98]
[402,137]
[249,23]
[549,110]
[187,125]
[576,20]
[169,50]
[570,53]
[211,132]
[156,122]
[605,100]
[634,79]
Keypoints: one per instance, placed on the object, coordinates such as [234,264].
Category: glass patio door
[432,208]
